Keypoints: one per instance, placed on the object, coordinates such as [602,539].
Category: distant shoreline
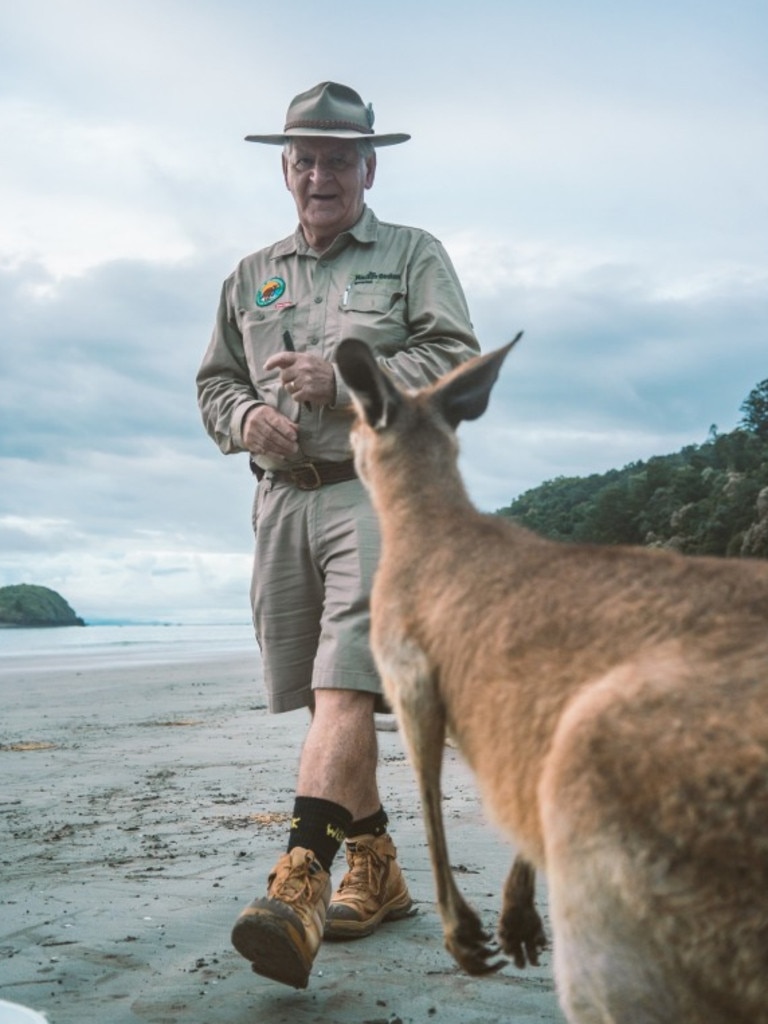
[42,625]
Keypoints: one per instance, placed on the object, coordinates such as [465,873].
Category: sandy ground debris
[142,805]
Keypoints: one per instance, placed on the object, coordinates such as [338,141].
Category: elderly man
[268,385]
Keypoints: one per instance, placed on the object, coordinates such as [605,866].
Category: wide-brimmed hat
[329,110]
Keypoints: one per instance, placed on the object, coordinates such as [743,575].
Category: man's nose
[321,171]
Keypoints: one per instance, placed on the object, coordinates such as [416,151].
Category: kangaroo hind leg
[414,694]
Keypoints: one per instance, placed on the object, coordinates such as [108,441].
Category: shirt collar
[364,231]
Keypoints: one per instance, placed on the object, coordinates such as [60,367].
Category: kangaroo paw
[471,946]
[522,936]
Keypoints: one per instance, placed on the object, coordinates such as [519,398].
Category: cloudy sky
[597,171]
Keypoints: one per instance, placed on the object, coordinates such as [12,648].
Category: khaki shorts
[314,560]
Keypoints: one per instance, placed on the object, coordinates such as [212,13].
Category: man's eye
[303,163]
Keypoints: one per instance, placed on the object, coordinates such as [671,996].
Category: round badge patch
[270,291]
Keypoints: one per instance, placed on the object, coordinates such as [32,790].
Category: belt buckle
[312,483]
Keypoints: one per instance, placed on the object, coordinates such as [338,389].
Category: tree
[755,410]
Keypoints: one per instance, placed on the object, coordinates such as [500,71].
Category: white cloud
[141,584]
[79,193]
[596,174]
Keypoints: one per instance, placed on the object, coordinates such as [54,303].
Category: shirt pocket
[375,313]
[265,333]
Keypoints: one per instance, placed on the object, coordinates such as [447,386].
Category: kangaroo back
[613,704]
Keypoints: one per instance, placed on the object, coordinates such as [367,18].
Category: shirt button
[317,299]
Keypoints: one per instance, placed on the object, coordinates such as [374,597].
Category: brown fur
[613,704]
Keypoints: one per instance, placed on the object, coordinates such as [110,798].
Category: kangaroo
[612,703]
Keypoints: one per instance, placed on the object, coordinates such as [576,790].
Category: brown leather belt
[309,476]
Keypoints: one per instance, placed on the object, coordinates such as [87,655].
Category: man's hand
[267,432]
[306,377]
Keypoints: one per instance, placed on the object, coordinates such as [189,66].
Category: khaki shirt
[392,287]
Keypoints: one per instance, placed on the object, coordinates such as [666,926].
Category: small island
[25,604]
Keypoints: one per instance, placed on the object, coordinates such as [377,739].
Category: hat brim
[307,133]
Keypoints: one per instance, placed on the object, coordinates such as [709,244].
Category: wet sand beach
[143,804]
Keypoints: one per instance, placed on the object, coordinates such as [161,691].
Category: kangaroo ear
[464,394]
[375,391]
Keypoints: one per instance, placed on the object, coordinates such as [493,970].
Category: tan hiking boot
[281,932]
[372,891]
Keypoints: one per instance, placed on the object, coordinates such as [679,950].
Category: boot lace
[366,871]
[293,883]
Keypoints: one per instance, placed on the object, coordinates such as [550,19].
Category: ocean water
[128,644]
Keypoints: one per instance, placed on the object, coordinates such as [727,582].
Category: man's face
[327,179]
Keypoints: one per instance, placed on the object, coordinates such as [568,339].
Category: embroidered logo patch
[270,291]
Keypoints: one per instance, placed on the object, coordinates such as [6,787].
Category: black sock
[373,825]
[320,826]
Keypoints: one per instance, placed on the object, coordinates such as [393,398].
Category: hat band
[352,126]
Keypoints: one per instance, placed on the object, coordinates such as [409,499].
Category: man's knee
[343,703]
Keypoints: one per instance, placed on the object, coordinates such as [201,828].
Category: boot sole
[346,928]
[274,949]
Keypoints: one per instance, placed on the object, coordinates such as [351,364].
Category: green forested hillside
[710,498]
[27,605]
